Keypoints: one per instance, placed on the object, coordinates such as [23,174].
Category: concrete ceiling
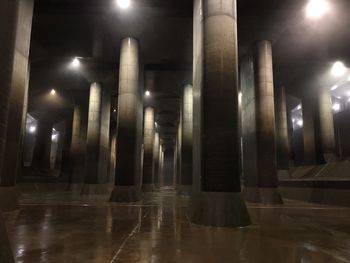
[63,29]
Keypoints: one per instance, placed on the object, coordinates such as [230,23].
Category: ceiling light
[338,69]
[123,3]
[334,87]
[53,92]
[147,93]
[75,63]
[316,8]
[32,129]
[336,107]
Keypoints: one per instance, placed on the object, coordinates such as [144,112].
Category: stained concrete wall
[15,33]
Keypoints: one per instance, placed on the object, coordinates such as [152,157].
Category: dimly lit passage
[174,131]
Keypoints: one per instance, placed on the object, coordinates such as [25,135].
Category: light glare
[123,3]
[338,69]
[315,9]
[334,87]
[75,63]
[300,123]
[147,93]
[336,107]
[32,129]
[53,92]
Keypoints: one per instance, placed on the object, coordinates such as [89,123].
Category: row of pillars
[209,144]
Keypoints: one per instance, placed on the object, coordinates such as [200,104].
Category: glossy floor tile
[57,228]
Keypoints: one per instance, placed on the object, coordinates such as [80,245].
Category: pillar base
[148,188]
[330,157]
[5,248]
[218,210]
[95,189]
[8,199]
[185,190]
[262,195]
[125,194]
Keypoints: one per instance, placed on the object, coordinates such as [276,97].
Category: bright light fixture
[53,92]
[124,4]
[315,9]
[300,123]
[336,107]
[334,87]
[299,107]
[32,129]
[147,93]
[338,69]
[75,63]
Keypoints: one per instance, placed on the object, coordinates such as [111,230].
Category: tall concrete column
[282,131]
[178,153]
[148,143]
[127,182]
[326,125]
[15,31]
[76,147]
[42,148]
[187,138]
[258,119]
[156,159]
[308,108]
[97,143]
[216,200]
[161,166]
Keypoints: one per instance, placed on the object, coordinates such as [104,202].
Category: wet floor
[63,230]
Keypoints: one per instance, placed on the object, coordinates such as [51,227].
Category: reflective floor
[53,229]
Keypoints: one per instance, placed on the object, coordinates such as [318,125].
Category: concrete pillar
[161,166]
[148,143]
[308,107]
[156,159]
[326,125]
[77,145]
[15,31]
[186,144]
[127,183]
[97,143]
[178,153]
[282,131]
[216,200]
[42,148]
[258,119]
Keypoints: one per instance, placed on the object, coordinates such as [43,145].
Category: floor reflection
[157,230]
